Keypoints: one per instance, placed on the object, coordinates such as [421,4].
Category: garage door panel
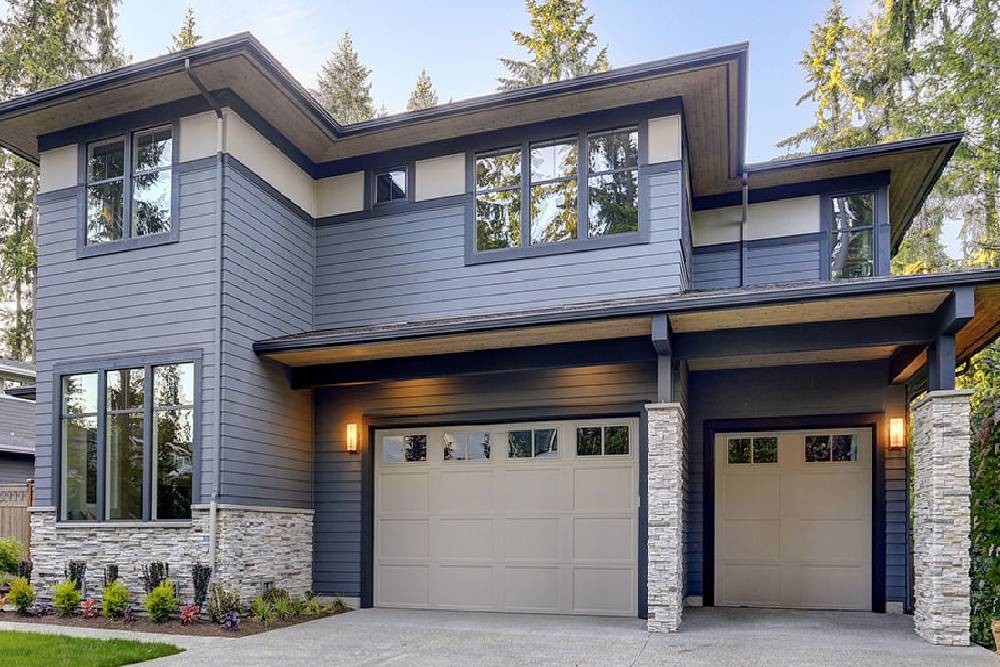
[827,540]
[403,585]
[752,540]
[602,590]
[404,492]
[751,584]
[462,587]
[534,530]
[751,496]
[602,538]
[839,586]
[463,539]
[403,538]
[603,490]
[833,494]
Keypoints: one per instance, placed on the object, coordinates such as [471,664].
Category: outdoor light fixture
[352,438]
[897,433]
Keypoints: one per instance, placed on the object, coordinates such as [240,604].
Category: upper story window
[390,185]
[136,426]
[128,181]
[853,243]
[564,189]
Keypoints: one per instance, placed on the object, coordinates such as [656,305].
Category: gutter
[220,149]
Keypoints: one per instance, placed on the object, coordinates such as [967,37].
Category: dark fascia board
[689,302]
[943,139]
[790,190]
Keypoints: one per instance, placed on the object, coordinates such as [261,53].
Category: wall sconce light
[352,438]
[897,433]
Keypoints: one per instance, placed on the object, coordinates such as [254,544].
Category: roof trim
[941,139]
[691,301]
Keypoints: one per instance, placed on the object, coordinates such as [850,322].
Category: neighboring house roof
[25,391]
[17,425]
[25,368]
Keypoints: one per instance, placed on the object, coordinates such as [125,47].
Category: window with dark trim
[127,443]
[552,191]
[389,186]
[129,187]
[852,245]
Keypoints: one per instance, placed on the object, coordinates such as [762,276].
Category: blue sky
[459,42]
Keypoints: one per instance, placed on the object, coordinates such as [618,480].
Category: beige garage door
[793,519]
[534,517]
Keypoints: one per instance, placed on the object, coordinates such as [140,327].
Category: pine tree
[559,45]
[187,37]
[42,43]
[423,95]
[343,87]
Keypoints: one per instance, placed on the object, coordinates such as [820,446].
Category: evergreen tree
[42,43]
[343,88]
[559,45]
[187,37]
[423,95]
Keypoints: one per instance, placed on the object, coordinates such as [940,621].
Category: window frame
[372,184]
[877,187]
[101,368]
[583,241]
[128,241]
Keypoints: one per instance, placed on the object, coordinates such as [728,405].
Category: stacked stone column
[941,517]
[665,495]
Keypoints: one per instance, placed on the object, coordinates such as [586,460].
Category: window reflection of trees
[498,200]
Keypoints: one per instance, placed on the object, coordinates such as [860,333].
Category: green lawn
[27,649]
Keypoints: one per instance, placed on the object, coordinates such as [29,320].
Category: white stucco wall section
[440,177]
[340,194]
[57,168]
[198,136]
[664,139]
[767,220]
[249,147]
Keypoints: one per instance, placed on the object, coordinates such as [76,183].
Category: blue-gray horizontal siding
[267,291]
[792,392]
[16,468]
[719,267]
[411,266]
[17,422]
[337,539]
[143,301]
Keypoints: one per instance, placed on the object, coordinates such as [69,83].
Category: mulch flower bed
[204,628]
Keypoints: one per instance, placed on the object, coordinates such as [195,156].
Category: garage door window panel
[839,448]
[472,446]
[404,448]
[534,443]
[606,440]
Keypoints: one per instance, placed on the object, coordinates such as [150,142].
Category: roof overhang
[909,301]
[710,84]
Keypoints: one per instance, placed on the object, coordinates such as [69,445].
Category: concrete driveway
[709,637]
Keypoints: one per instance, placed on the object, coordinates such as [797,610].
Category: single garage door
[793,519]
[529,517]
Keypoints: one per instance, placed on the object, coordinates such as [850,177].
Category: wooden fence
[15,499]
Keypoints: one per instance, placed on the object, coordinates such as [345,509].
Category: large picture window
[557,190]
[136,424]
[129,186]
[853,243]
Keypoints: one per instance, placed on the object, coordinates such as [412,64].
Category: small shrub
[11,553]
[153,575]
[116,599]
[230,621]
[89,607]
[261,611]
[312,607]
[201,575]
[272,594]
[285,609]
[24,569]
[5,579]
[161,602]
[110,574]
[222,601]
[76,571]
[66,598]
[21,595]
[129,617]
[340,605]
[189,614]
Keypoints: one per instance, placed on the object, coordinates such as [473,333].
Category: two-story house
[554,350]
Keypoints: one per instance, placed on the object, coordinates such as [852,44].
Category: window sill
[123,524]
[557,248]
[112,247]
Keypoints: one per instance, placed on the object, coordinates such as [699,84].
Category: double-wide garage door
[529,517]
[793,519]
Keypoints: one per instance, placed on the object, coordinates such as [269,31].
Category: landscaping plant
[222,601]
[261,610]
[66,597]
[985,536]
[201,575]
[76,571]
[21,595]
[89,607]
[129,617]
[189,614]
[154,574]
[11,553]
[312,607]
[161,602]
[115,599]
[230,621]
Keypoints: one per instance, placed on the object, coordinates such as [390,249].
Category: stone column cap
[664,406]
[943,393]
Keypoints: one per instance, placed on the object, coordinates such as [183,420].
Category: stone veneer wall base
[255,547]
[665,490]
[941,517]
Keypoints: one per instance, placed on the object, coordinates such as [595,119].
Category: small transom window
[390,185]
[598,440]
[533,443]
[823,448]
[404,448]
[753,450]
[473,446]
